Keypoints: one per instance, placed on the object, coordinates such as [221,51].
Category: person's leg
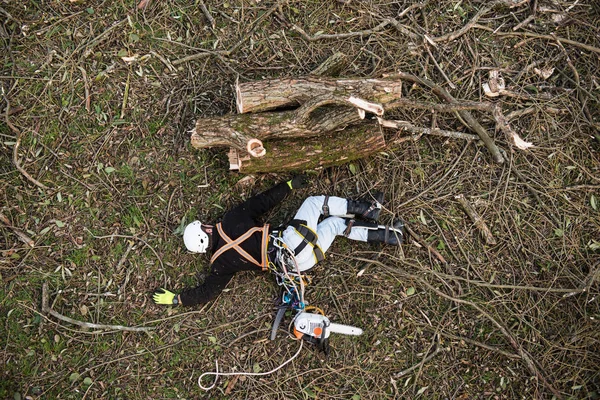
[313,207]
[327,230]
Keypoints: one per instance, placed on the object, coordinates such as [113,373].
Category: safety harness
[235,245]
[309,237]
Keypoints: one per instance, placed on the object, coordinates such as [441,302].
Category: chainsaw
[313,328]
[316,328]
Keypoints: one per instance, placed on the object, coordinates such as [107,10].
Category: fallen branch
[407,126]
[441,107]
[324,36]
[477,220]
[471,24]
[270,94]
[538,36]
[46,309]
[17,133]
[466,115]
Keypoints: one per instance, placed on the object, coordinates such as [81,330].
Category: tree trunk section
[238,130]
[270,94]
[356,142]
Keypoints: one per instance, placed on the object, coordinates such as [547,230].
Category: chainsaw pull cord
[217,373]
[301,295]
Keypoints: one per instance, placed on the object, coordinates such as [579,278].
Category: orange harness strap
[235,245]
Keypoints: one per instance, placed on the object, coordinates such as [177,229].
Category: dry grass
[106,141]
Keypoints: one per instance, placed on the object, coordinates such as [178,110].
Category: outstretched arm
[263,202]
[213,285]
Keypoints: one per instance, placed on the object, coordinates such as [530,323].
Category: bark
[356,142]
[271,94]
[246,132]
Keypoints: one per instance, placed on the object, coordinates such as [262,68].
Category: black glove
[298,182]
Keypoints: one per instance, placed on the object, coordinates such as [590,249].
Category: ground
[96,170]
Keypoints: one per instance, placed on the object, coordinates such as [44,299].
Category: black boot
[393,235]
[367,209]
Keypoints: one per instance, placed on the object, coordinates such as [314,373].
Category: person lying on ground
[240,243]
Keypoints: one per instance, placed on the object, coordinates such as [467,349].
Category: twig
[442,179]
[529,362]
[509,336]
[98,39]
[125,96]
[437,351]
[48,310]
[422,241]
[478,344]
[452,85]
[26,239]
[580,95]
[466,115]
[209,17]
[538,36]
[87,89]
[523,23]
[17,133]
[124,257]
[443,107]
[473,22]
[226,53]
[129,237]
[324,36]
[477,220]
[407,126]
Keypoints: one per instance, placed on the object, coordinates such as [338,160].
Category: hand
[163,296]
[298,182]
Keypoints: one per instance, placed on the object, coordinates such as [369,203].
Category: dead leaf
[231,384]
[545,73]
[143,4]
[130,59]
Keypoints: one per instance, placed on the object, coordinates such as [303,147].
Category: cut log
[356,142]
[246,132]
[270,94]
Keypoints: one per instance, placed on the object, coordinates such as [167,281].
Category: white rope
[217,373]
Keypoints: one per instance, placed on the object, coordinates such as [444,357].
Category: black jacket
[235,223]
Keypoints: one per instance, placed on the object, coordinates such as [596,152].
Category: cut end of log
[195,139]
[255,148]
[235,159]
[239,102]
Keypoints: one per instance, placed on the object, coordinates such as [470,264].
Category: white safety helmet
[195,239]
